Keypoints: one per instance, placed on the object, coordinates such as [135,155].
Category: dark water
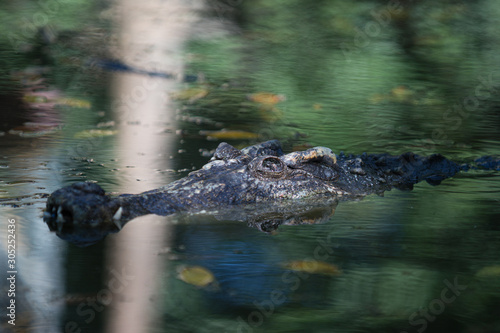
[372,76]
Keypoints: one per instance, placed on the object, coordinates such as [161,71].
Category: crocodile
[260,183]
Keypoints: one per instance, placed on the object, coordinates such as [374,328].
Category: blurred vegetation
[374,76]
[365,77]
[51,33]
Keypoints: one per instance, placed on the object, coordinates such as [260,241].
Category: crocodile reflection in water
[258,184]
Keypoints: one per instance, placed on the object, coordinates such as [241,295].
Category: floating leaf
[197,276]
[94,133]
[399,94]
[229,135]
[266,98]
[74,102]
[190,94]
[489,271]
[313,267]
[402,94]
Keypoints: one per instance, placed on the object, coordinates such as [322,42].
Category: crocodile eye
[272,164]
[269,167]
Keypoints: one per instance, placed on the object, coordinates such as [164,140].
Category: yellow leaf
[229,135]
[77,103]
[190,94]
[402,94]
[266,98]
[196,275]
[313,267]
[489,271]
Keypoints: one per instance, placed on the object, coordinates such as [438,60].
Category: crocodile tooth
[118,214]
[117,217]
[60,217]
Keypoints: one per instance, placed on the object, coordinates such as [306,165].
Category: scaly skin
[259,174]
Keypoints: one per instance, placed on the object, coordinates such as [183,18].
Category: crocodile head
[260,174]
